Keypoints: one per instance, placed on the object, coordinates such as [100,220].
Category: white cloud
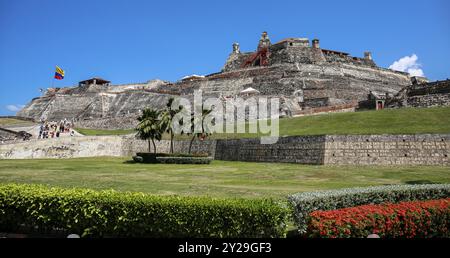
[14,108]
[408,64]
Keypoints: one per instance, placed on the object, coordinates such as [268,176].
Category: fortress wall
[92,105]
[344,83]
[95,146]
[110,123]
[429,95]
[304,150]
[423,95]
[35,108]
[131,145]
[131,102]
[305,55]
[424,149]
[58,107]
[342,150]
[224,87]
[67,147]
[125,87]
[432,100]
[235,61]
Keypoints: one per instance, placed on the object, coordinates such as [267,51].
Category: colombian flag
[59,74]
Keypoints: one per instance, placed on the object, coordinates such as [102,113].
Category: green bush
[305,203]
[138,159]
[184,160]
[40,209]
[147,157]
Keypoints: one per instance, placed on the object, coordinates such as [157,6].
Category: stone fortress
[306,78]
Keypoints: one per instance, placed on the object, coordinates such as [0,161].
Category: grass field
[98,132]
[220,179]
[12,122]
[388,121]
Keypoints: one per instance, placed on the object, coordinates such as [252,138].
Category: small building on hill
[95,81]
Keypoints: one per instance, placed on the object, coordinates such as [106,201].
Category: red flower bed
[405,220]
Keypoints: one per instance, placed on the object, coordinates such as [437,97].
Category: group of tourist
[54,129]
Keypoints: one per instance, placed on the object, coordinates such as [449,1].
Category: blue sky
[135,41]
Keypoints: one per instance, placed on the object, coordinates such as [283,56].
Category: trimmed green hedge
[40,209]
[184,160]
[305,203]
[172,158]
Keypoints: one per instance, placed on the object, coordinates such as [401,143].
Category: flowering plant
[421,219]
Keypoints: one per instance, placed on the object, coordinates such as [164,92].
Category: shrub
[138,159]
[40,209]
[305,203]
[184,160]
[147,157]
[406,220]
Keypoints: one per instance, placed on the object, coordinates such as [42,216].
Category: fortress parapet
[291,50]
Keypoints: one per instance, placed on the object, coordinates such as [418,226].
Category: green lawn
[7,122]
[99,132]
[220,179]
[388,121]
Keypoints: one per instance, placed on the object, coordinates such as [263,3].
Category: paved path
[34,130]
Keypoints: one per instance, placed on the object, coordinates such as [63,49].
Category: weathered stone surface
[423,149]
[296,72]
[423,95]
[86,106]
[69,147]
[304,150]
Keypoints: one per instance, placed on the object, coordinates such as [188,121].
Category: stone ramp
[7,135]
[17,132]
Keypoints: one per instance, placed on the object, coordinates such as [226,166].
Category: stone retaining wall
[67,147]
[304,150]
[432,100]
[423,149]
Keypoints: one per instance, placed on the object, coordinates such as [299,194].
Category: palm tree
[167,120]
[150,127]
[204,131]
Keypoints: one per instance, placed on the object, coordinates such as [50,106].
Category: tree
[167,120]
[150,127]
[204,132]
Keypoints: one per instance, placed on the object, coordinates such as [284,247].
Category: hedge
[423,219]
[172,158]
[305,203]
[40,209]
[184,160]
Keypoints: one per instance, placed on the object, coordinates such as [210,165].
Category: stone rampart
[422,149]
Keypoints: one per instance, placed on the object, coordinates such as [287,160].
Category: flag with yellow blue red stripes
[59,73]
